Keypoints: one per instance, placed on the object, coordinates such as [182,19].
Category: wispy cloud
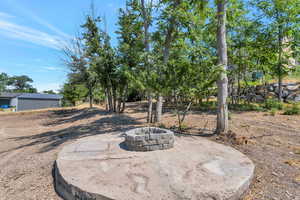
[45,23]
[12,30]
[5,15]
[53,68]
[28,13]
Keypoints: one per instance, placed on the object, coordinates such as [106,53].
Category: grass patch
[293,110]
[208,106]
[246,107]
[273,112]
[273,104]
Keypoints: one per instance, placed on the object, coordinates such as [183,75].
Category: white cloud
[46,24]
[27,12]
[28,34]
[5,15]
[53,68]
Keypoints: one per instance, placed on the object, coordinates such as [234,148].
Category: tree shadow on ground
[108,124]
[69,116]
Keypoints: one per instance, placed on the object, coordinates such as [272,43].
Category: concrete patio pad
[100,168]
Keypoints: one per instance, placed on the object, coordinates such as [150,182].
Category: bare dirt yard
[29,143]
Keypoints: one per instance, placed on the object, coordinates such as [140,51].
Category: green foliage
[207,106]
[293,110]
[169,48]
[273,111]
[161,125]
[49,92]
[3,81]
[246,107]
[21,84]
[273,104]
[73,93]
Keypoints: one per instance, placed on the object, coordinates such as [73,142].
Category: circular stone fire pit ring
[149,139]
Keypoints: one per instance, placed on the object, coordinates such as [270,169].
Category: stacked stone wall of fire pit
[149,139]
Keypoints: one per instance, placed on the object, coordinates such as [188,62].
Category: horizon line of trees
[181,52]
[18,84]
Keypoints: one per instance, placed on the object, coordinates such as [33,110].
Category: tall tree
[3,81]
[281,19]
[146,13]
[222,113]
[21,84]
[76,60]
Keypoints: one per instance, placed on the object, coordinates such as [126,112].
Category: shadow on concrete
[107,124]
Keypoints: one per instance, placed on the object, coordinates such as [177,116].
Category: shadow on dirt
[106,124]
[73,115]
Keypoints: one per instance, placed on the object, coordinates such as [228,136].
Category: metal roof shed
[32,101]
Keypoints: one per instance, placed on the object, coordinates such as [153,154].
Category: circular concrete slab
[99,168]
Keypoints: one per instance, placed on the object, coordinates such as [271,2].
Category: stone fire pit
[149,139]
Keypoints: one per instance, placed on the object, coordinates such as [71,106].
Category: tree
[164,36]
[281,20]
[146,13]
[49,92]
[130,47]
[76,60]
[21,84]
[3,81]
[222,115]
[73,93]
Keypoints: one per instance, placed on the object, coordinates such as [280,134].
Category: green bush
[273,104]
[246,107]
[294,110]
[273,111]
[208,106]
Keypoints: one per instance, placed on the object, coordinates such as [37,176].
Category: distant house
[29,101]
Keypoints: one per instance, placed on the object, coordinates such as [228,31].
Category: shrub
[245,107]
[273,104]
[183,127]
[208,106]
[273,111]
[294,110]
[161,125]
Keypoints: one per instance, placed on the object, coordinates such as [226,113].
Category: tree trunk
[124,100]
[222,115]
[90,97]
[280,38]
[106,102]
[147,20]
[150,107]
[110,100]
[159,105]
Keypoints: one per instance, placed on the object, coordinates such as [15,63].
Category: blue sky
[32,32]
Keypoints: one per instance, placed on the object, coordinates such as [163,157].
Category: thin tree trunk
[124,100]
[106,102]
[222,115]
[110,100]
[150,107]
[159,105]
[90,97]
[147,20]
[280,38]
[239,88]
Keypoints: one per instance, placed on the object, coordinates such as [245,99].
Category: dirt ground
[29,143]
